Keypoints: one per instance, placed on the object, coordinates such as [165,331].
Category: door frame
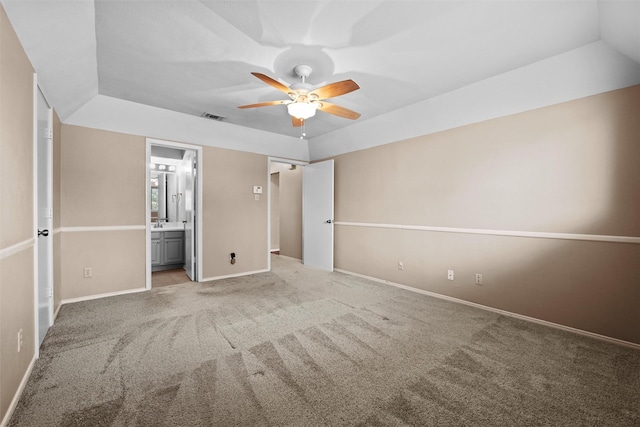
[198,200]
[269,161]
[36,216]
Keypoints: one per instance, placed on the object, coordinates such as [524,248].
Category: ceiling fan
[304,100]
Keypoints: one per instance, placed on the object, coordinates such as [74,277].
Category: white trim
[497,310]
[102,228]
[533,234]
[289,258]
[55,315]
[286,161]
[18,247]
[229,276]
[57,230]
[34,225]
[147,214]
[98,296]
[18,393]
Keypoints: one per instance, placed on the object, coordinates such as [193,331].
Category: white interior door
[317,215]
[190,210]
[44,208]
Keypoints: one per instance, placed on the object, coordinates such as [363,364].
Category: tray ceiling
[196,56]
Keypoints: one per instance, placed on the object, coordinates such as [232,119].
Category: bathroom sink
[169,226]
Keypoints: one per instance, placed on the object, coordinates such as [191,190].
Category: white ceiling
[196,56]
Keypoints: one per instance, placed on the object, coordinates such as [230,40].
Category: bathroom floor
[169,277]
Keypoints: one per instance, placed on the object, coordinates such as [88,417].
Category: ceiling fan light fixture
[301,110]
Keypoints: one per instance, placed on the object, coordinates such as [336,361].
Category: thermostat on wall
[257,189]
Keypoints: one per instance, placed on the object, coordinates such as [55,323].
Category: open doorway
[173,213]
[285,198]
[301,212]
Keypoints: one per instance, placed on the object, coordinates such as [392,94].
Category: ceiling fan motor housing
[303,71]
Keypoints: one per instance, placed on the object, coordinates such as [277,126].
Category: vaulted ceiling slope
[136,66]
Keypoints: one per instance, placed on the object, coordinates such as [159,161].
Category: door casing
[198,202]
[43,214]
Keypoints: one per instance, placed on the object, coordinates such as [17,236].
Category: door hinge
[50,292]
[48,212]
[48,133]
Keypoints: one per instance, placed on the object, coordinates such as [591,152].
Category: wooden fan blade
[296,122]
[335,89]
[265,104]
[272,82]
[337,110]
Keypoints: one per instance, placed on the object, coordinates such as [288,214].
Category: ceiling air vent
[212,116]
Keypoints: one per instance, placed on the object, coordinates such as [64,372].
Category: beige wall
[57,236]
[102,184]
[16,213]
[290,198]
[233,221]
[568,168]
[103,178]
[117,260]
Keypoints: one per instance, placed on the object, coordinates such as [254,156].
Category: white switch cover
[257,189]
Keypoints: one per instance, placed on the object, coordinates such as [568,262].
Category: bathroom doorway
[173,213]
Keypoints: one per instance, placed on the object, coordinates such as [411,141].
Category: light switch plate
[257,189]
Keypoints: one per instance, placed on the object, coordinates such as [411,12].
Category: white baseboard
[228,276]
[18,394]
[97,296]
[289,258]
[497,310]
[55,315]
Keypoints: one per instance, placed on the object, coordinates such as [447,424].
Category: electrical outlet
[88,273]
[20,342]
[400,265]
[478,278]
[450,275]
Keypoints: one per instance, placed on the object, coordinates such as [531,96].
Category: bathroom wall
[57,221]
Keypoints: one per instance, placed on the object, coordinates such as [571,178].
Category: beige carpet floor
[301,347]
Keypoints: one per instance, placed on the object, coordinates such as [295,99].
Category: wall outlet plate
[450,275]
[478,278]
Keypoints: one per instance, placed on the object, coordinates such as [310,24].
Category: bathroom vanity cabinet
[167,250]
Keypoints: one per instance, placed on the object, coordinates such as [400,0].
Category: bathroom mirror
[165,196]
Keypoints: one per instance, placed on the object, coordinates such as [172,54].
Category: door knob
[44,232]
[329,221]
